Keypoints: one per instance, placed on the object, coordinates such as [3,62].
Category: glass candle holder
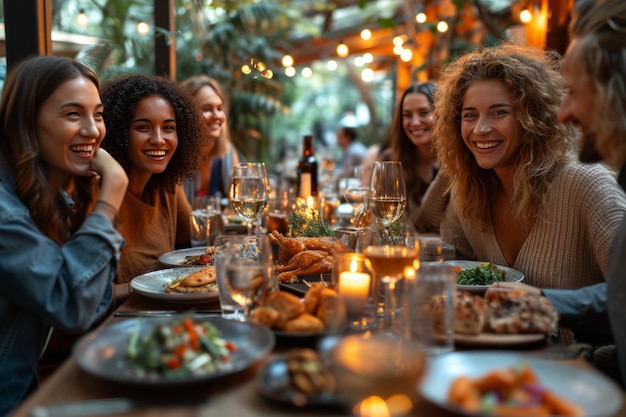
[354,283]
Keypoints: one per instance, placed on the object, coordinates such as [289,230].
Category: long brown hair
[27,86]
[536,85]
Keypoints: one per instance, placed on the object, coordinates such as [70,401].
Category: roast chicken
[301,256]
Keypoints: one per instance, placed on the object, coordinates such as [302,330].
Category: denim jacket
[43,284]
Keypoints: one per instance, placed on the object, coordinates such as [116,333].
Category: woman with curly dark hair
[59,198]
[519,197]
[153,131]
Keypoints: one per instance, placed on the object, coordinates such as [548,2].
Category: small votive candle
[354,288]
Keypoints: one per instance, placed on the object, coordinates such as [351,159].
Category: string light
[442,26]
[343,50]
[525,16]
[358,61]
[368,58]
[367,75]
[331,65]
[398,40]
[287,61]
[406,55]
[366,34]
[81,18]
[143,28]
[398,49]
[306,72]
[290,71]
[245,68]
[420,18]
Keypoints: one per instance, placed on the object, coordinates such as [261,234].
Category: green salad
[179,349]
[483,274]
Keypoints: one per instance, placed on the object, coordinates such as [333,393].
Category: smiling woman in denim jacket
[59,196]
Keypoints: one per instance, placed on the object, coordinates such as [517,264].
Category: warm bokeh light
[420,18]
[245,68]
[143,28]
[368,58]
[398,49]
[406,55]
[398,40]
[373,406]
[306,72]
[366,34]
[287,61]
[442,26]
[290,71]
[260,66]
[525,16]
[367,75]
[358,61]
[342,50]
[81,18]
[331,65]
[268,73]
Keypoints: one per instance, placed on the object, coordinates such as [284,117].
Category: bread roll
[286,304]
[304,323]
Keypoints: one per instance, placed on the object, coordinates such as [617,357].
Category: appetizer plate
[498,340]
[511,275]
[273,382]
[152,285]
[177,257]
[102,353]
[595,393]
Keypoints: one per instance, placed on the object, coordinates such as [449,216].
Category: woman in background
[59,198]
[410,142]
[154,133]
[217,154]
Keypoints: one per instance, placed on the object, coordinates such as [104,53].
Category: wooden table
[235,395]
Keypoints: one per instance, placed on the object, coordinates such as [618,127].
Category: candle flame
[354,266]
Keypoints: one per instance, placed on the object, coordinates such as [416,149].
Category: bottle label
[305,184]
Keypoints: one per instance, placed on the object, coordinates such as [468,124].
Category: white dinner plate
[595,393]
[102,353]
[498,340]
[510,274]
[152,285]
[177,257]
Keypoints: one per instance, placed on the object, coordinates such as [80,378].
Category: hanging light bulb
[143,28]
[343,50]
[81,18]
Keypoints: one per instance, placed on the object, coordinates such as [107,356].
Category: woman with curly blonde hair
[518,196]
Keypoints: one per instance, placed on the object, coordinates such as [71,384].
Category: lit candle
[354,288]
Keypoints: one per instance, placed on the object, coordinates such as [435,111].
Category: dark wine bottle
[307,170]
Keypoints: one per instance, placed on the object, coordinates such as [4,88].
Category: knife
[88,408]
[157,313]
[104,406]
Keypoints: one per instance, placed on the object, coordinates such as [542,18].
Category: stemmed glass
[249,191]
[387,197]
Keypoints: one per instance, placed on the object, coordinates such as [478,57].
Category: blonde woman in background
[217,153]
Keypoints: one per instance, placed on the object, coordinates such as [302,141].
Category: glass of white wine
[249,191]
[387,197]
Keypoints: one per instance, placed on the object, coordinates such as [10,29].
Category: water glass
[428,309]
[245,273]
[433,248]
[199,227]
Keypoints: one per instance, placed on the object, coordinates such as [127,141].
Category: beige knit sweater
[569,244]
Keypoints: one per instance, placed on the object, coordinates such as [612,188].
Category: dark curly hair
[121,97]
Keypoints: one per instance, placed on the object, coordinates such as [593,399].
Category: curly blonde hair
[535,83]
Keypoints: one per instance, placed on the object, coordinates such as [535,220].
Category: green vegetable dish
[483,274]
[179,349]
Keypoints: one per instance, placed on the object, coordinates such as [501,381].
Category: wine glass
[387,196]
[249,191]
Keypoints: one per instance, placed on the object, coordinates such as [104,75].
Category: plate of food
[507,318]
[133,351]
[300,378]
[455,381]
[200,256]
[319,313]
[178,285]
[476,276]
